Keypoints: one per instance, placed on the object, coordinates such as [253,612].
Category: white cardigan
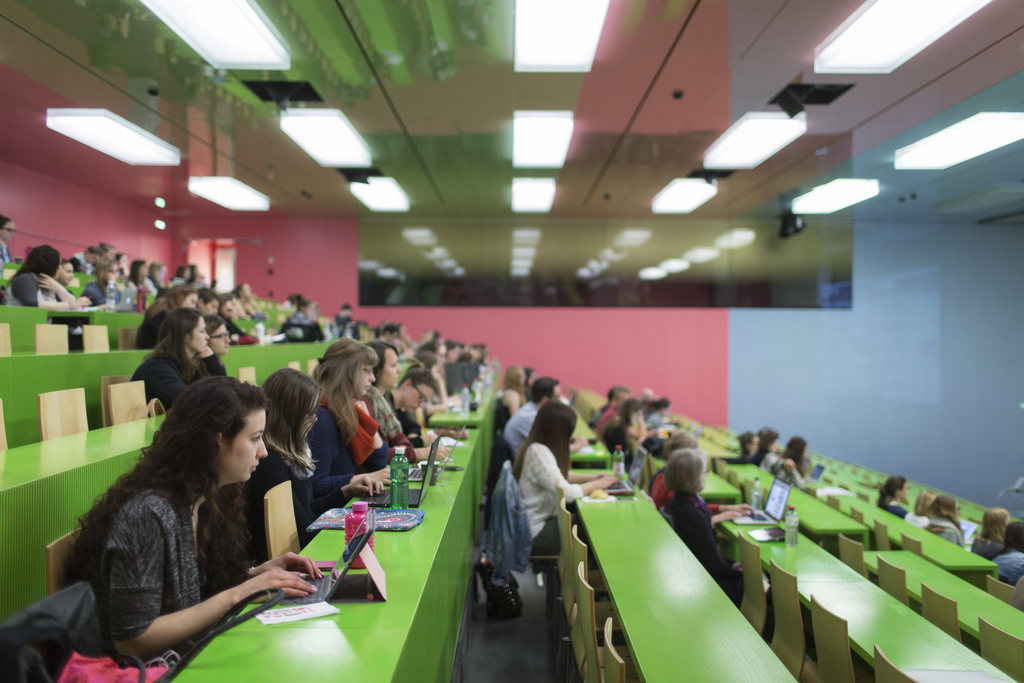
[539,483]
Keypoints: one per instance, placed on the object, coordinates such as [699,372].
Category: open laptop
[969,529]
[416,496]
[328,586]
[416,473]
[774,508]
[626,487]
[816,474]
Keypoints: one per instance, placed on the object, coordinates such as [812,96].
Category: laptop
[416,473]
[626,488]
[969,529]
[327,588]
[416,496]
[816,474]
[774,508]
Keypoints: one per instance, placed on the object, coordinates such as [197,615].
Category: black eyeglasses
[222,335]
[423,397]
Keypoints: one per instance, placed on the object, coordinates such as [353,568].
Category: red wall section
[70,218]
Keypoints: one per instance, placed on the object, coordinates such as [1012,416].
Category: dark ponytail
[888,490]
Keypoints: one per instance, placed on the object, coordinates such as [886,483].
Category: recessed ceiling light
[674,265]
[585,273]
[557,35]
[389,273]
[522,263]
[652,273]
[735,238]
[160,202]
[458,272]
[683,195]
[159,224]
[369,265]
[972,137]
[520,272]
[532,194]
[701,254]
[540,139]
[381,194]
[447,263]
[753,139]
[609,254]
[437,254]
[229,193]
[835,195]
[632,237]
[421,237]
[526,236]
[327,136]
[107,132]
[524,252]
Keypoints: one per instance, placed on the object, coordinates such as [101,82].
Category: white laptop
[774,508]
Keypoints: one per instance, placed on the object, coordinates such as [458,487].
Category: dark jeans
[547,541]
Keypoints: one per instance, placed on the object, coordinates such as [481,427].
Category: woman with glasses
[181,356]
[220,342]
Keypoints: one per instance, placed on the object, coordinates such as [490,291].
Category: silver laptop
[328,586]
[416,473]
[816,474]
[774,508]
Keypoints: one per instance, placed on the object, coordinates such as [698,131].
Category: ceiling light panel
[421,237]
[632,237]
[540,139]
[972,137]
[652,273]
[543,41]
[532,194]
[328,136]
[683,195]
[674,265]
[701,254]
[737,238]
[753,139]
[883,34]
[381,194]
[835,195]
[229,193]
[526,237]
[107,132]
[524,252]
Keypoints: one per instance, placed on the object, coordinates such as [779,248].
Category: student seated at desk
[692,521]
[302,325]
[414,391]
[35,283]
[429,358]
[1011,559]
[172,531]
[513,393]
[625,429]
[945,519]
[616,395]
[178,296]
[748,443]
[96,290]
[543,391]
[679,440]
[989,541]
[209,302]
[229,309]
[767,448]
[791,465]
[344,439]
[220,343]
[294,399]
[542,468]
[891,494]
[922,509]
[657,412]
[135,281]
[181,357]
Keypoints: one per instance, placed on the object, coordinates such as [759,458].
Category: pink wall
[70,218]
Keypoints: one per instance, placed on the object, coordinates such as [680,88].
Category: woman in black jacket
[178,296]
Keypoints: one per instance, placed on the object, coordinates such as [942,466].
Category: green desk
[456,419]
[111,319]
[713,449]
[23,321]
[718,490]
[675,617]
[872,615]
[972,602]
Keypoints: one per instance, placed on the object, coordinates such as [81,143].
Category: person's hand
[578,444]
[234,339]
[206,354]
[788,465]
[737,566]
[382,475]
[605,480]
[442,453]
[428,438]
[292,562]
[80,302]
[377,441]
[47,282]
[292,582]
[362,485]
[725,516]
[743,507]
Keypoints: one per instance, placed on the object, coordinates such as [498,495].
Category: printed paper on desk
[586,450]
[826,491]
[297,613]
[449,442]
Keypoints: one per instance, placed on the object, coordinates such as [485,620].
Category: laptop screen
[816,472]
[777,497]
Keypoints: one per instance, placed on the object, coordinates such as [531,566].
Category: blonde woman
[513,393]
[945,519]
[922,509]
[989,541]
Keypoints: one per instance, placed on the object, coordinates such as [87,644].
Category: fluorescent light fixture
[584,273]
[736,238]
[520,272]
[229,193]
[528,237]
[437,254]
[389,273]
[540,139]
[327,136]
[558,35]
[986,197]
[160,202]
[532,194]
[369,265]
[159,224]
[609,254]
[683,195]
[632,237]
[652,273]
[380,194]
[754,138]
[674,265]
[883,34]
[835,195]
[701,254]
[229,34]
[448,263]
[522,263]
[524,252]
[105,131]
[421,237]
[458,271]
[972,137]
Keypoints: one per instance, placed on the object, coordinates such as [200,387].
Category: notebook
[774,509]
[416,496]
[328,586]
[815,474]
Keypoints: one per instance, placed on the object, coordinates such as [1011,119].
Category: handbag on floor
[503,600]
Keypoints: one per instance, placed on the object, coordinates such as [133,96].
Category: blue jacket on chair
[507,542]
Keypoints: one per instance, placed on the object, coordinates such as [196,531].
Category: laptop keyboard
[323,587]
[760,517]
[620,486]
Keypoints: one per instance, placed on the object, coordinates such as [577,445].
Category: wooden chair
[857,515]
[295,365]
[247,374]
[311,366]
[126,338]
[863,496]
[882,535]
[940,610]
[5,339]
[647,472]
[832,639]
[95,339]
[912,544]
[3,429]
[852,554]
[1002,649]
[733,477]
[754,605]
[105,383]
[893,580]
[62,413]
[614,665]
[833,501]
[127,402]
[788,642]
[587,625]
[51,339]
[580,554]
[886,671]
[1003,591]
[746,487]
[56,555]
[719,467]
[279,519]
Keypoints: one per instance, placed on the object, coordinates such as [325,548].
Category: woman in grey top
[165,547]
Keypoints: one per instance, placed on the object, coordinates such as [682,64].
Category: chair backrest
[1003,591]
[247,374]
[614,665]
[746,486]
[3,429]
[279,519]
[851,552]
[105,383]
[833,501]
[127,402]
[5,339]
[126,338]
[579,550]
[1003,650]
[733,477]
[886,671]
[754,605]
[62,413]
[647,472]
[719,467]
[940,610]
[857,515]
[788,642]
[295,365]
[893,580]
[56,555]
[832,640]
[882,535]
[564,520]
[863,496]
[587,625]
[51,339]
[95,339]
[912,544]
[311,366]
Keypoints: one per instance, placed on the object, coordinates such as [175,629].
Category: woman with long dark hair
[182,356]
[892,493]
[178,296]
[626,429]
[791,465]
[165,547]
[35,283]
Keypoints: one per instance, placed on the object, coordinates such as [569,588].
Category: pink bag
[82,669]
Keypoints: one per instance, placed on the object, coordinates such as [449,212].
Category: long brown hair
[993,525]
[946,507]
[623,418]
[182,465]
[514,381]
[172,299]
[293,397]
[338,373]
[795,450]
[173,342]
[553,427]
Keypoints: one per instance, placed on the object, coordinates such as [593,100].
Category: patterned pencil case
[387,520]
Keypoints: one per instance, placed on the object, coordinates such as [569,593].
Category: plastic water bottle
[618,463]
[260,331]
[399,480]
[140,299]
[756,493]
[477,389]
[792,527]
[111,296]
[352,522]
[465,401]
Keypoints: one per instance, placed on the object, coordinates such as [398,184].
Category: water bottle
[756,492]
[260,331]
[352,522]
[477,389]
[399,480]
[792,527]
[465,401]
[618,463]
[140,299]
[111,296]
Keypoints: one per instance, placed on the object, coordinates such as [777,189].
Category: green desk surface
[718,490]
[872,615]
[713,449]
[457,419]
[659,588]
[972,602]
